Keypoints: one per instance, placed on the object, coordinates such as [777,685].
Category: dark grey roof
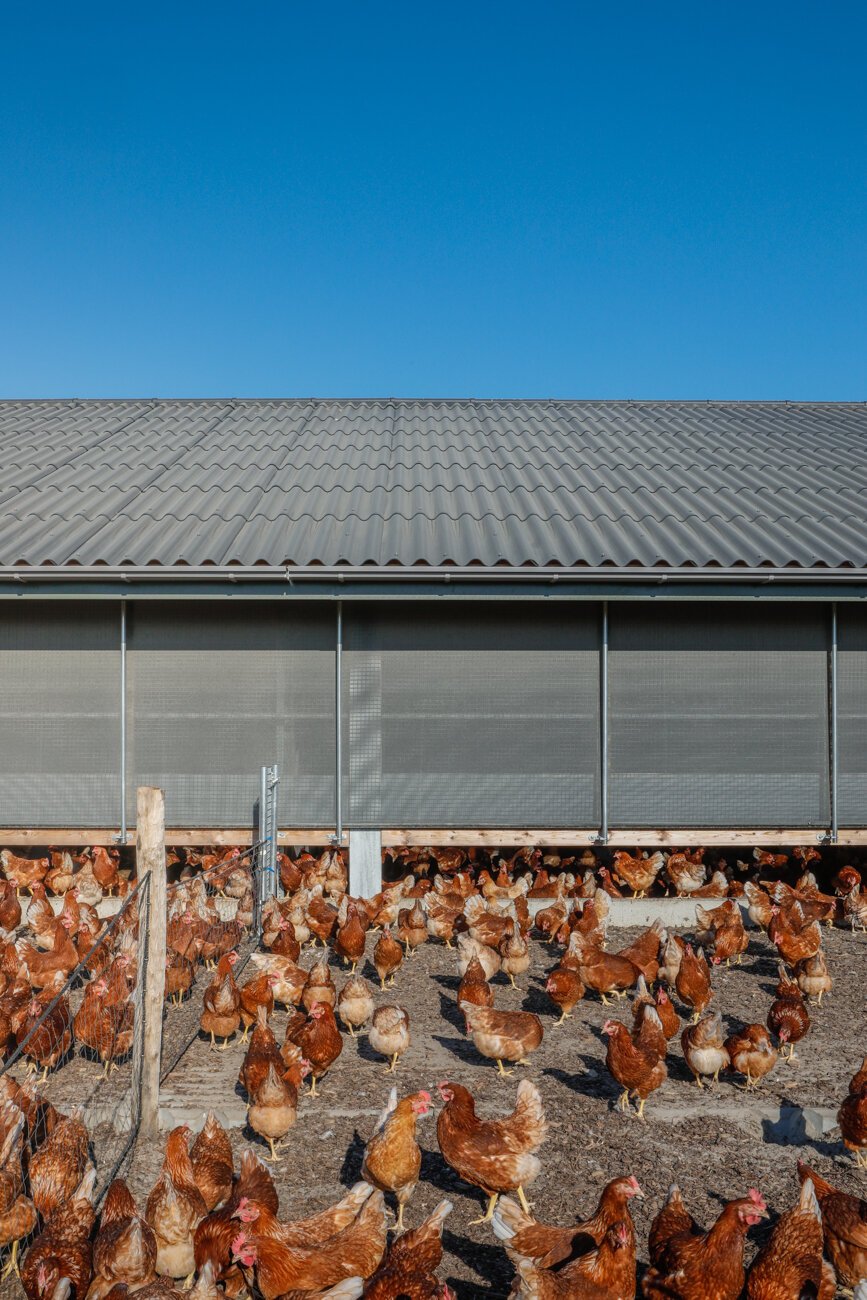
[435,482]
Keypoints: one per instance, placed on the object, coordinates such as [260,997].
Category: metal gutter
[423,582]
[315,573]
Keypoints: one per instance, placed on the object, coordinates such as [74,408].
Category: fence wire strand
[74,1009]
[210,914]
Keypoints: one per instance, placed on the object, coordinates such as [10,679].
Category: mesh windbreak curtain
[852,715]
[218,691]
[60,741]
[486,715]
[719,715]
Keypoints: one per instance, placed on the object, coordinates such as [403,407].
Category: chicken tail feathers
[531,1278]
[474,909]
[349,1289]
[433,1224]
[509,1219]
[84,1190]
[390,1107]
[808,1202]
[529,1116]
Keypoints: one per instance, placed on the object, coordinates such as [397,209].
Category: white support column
[365,863]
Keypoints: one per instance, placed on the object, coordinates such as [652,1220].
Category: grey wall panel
[490,720]
[217,692]
[719,716]
[852,715]
[59,714]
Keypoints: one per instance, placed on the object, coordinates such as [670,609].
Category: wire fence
[73,1025]
[210,915]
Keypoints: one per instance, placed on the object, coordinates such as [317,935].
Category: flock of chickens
[214,1227]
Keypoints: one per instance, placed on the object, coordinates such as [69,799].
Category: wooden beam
[150,851]
[23,837]
[65,836]
[618,837]
[438,839]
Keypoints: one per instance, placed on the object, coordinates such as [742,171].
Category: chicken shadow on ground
[350,1170]
[469,1290]
[451,1012]
[490,1262]
[366,1052]
[369,972]
[438,1174]
[537,1000]
[462,1048]
[597,1084]
[452,982]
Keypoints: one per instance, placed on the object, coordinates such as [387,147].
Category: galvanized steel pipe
[338,726]
[833,722]
[603,726]
[123,722]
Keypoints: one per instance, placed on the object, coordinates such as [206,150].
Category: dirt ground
[714,1144]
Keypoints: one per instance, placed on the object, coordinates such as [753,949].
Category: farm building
[612,621]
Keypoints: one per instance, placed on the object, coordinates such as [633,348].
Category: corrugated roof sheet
[435,482]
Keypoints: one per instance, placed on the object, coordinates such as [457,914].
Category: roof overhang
[402,582]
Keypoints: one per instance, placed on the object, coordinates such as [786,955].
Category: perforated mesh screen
[852,715]
[212,701]
[472,718]
[59,714]
[718,716]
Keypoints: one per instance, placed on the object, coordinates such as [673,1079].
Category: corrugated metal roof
[433,482]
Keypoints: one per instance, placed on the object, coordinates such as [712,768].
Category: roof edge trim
[425,573]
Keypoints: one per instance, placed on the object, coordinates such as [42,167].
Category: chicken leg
[489,1213]
[11,1265]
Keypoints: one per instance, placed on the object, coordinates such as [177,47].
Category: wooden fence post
[150,845]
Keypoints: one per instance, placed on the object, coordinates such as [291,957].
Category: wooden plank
[716,837]
[150,851]
[41,837]
[36,837]
[437,839]
[618,838]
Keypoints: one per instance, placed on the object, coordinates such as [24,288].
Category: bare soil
[714,1143]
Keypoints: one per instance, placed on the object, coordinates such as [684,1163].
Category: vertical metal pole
[338,726]
[833,722]
[262,851]
[123,722]
[273,825]
[603,725]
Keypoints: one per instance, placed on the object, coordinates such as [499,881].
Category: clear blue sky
[450,199]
